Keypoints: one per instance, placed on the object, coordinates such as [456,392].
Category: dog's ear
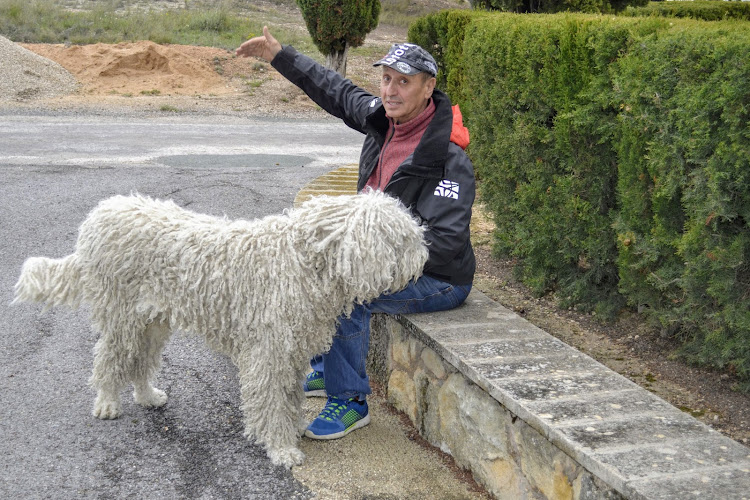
[366,243]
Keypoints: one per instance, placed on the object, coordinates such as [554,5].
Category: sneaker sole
[357,425]
[318,393]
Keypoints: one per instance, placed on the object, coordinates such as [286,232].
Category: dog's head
[363,245]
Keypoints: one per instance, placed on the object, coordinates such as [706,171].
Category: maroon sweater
[403,140]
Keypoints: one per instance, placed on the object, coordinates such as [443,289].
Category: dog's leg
[107,378]
[116,355]
[272,402]
[148,363]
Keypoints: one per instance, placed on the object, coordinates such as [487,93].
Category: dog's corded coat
[265,292]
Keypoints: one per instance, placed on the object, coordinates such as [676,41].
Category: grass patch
[219,65]
[224,24]
[692,412]
[404,12]
[217,24]
[367,51]
[252,85]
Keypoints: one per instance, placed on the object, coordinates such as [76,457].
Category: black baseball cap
[409,59]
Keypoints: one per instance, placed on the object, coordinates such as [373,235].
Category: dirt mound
[25,75]
[150,59]
[140,68]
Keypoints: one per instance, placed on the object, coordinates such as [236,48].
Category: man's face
[404,97]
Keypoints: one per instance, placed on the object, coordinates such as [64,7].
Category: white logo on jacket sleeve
[447,189]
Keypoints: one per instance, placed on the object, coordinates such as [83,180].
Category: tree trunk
[337,60]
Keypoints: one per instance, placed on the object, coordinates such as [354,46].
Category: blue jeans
[343,366]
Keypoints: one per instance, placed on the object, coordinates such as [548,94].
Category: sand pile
[25,75]
[143,67]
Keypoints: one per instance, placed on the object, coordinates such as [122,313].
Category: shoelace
[331,410]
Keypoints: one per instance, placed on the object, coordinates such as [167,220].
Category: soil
[145,76]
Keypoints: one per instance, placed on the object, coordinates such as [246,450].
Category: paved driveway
[53,170]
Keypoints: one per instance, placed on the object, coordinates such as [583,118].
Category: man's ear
[429,87]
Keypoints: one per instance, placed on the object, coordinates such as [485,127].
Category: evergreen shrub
[337,25]
[543,124]
[684,186]
[704,10]
[554,6]
[613,153]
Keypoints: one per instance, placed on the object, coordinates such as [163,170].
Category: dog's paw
[153,398]
[302,426]
[107,409]
[288,457]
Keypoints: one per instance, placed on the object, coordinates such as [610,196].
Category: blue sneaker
[338,418]
[314,385]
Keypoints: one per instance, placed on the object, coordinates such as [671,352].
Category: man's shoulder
[458,160]
[457,152]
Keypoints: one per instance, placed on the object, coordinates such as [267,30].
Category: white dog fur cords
[265,292]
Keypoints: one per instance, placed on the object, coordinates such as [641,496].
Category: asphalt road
[53,171]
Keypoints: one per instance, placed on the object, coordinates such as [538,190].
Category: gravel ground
[25,75]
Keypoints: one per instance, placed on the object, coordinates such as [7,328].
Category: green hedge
[554,6]
[544,124]
[613,154]
[714,10]
[684,186]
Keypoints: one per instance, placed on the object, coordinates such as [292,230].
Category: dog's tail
[53,281]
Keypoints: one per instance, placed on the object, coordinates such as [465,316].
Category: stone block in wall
[402,393]
[404,351]
[472,424]
[378,359]
[433,363]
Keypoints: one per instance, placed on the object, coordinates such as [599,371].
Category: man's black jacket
[436,182]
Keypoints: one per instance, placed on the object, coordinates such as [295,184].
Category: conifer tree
[337,25]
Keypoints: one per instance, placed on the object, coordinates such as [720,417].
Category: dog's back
[108,244]
[138,248]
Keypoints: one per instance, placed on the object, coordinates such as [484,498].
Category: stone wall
[532,418]
[509,458]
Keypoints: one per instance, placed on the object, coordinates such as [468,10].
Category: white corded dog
[265,292]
